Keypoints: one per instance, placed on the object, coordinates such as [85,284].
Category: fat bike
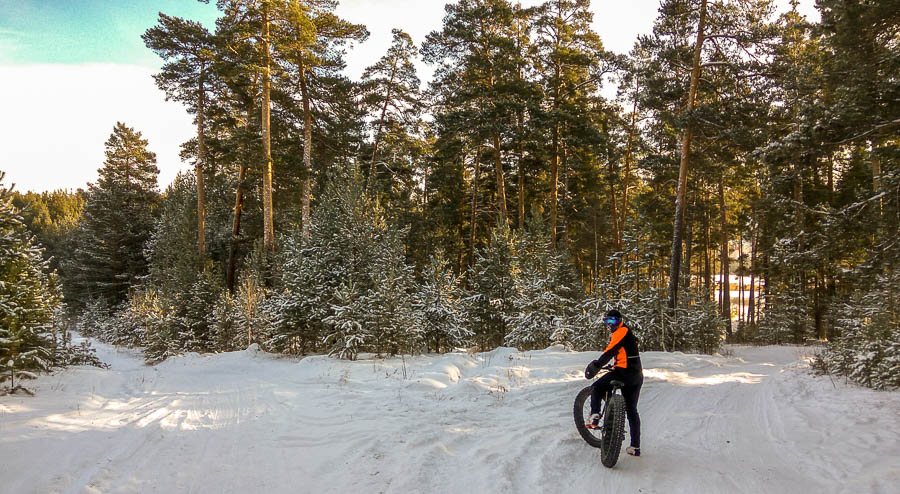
[609,436]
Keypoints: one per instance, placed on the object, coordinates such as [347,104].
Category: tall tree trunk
[562,217]
[876,175]
[425,189]
[675,269]
[741,318]
[818,311]
[831,178]
[629,153]
[501,183]
[688,246]
[268,211]
[521,170]
[554,162]
[474,218]
[726,278]
[236,228]
[387,99]
[307,156]
[614,214]
[198,169]
[596,270]
[751,302]
[498,158]
[554,184]
[707,265]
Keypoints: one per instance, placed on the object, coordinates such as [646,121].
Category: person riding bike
[623,346]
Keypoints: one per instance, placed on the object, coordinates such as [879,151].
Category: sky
[71,69]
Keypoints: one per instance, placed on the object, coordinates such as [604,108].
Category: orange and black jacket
[623,346]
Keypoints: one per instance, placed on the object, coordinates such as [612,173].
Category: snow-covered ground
[494,422]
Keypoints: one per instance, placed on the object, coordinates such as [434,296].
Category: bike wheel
[582,411]
[613,430]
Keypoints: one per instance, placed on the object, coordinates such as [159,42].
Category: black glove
[592,369]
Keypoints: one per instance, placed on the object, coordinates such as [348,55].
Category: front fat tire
[578,412]
[614,422]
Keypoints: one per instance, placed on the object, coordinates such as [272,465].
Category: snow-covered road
[501,421]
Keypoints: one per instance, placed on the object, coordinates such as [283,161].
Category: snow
[500,421]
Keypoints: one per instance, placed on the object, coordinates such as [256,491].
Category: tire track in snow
[497,422]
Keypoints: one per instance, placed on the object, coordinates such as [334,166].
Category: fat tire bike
[609,436]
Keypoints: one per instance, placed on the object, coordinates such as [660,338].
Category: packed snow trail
[491,422]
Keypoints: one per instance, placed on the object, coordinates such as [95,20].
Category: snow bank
[498,421]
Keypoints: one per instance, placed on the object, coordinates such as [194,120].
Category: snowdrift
[490,422]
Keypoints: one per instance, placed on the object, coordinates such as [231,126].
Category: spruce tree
[119,217]
[542,303]
[29,296]
[490,282]
[439,307]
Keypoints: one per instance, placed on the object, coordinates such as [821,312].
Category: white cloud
[56,119]
[10,43]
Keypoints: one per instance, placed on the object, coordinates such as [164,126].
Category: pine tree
[347,332]
[332,263]
[188,49]
[476,54]
[313,46]
[258,26]
[391,89]
[118,219]
[52,217]
[349,286]
[172,260]
[687,134]
[569,56]
[29,297]
[147,315]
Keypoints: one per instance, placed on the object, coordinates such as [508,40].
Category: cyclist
[623,346]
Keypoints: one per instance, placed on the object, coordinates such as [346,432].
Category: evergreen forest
[734,178]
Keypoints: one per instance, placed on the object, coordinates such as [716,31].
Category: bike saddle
[617,383]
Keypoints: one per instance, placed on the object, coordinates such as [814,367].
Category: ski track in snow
[499,422]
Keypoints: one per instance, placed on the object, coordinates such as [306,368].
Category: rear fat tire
[580,419]
[614,431]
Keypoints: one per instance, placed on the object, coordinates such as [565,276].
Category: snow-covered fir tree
[868,348]
[586,320]
[491,285]
[94,318]
[29,298]
[439,306]
[146,315]
[254,315]
[193,328]
[544,289]
[347,331]
[326,272]
[349,286]
[391,318]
